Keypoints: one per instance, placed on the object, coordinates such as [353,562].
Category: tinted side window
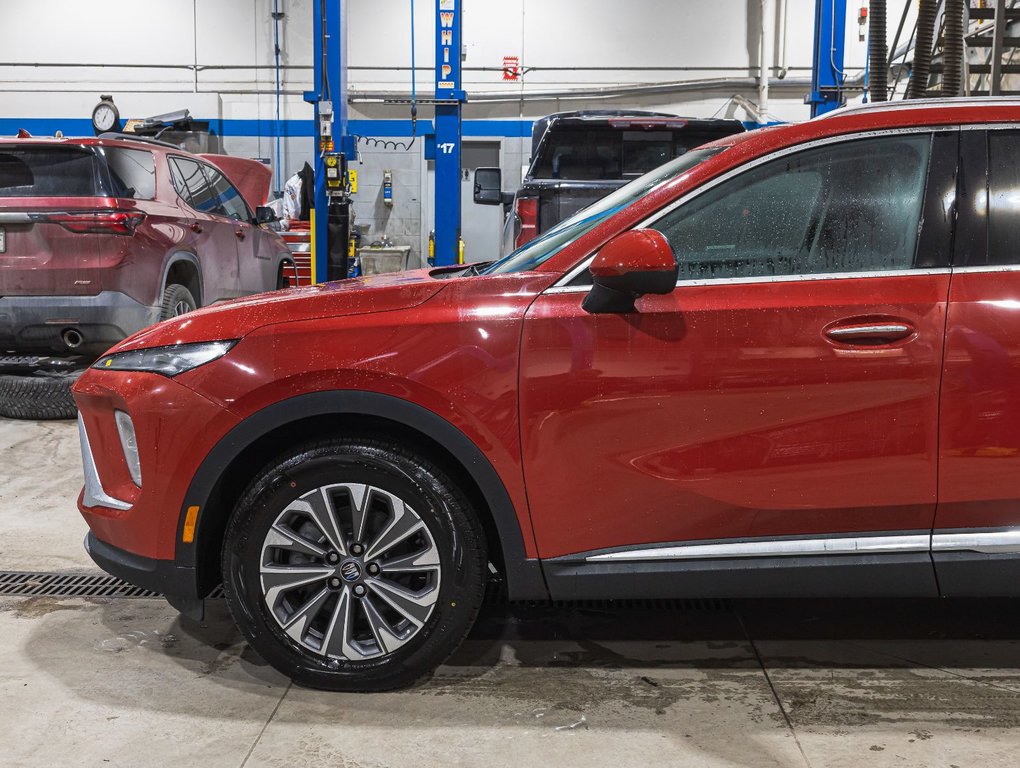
[197,191]
[132,173]
[1003,198]
[228,199]
[850,207]
[48,172]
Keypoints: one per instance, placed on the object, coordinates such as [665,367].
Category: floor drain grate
[20,584]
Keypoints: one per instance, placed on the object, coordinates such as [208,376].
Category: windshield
[532,254]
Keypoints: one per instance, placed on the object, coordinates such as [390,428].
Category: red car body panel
[979,465]
[165,413]
[717,412]
[460,363]
[755,425]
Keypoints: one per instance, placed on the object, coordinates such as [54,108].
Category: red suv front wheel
[354,564]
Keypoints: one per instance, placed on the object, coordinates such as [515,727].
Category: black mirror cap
[265,215]
[616,295]
[488,186]
[639,283]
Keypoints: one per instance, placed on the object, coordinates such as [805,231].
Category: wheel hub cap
[351,570]
[372,603]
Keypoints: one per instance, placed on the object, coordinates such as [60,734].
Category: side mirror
[265,215]
[488,186]
[630,265]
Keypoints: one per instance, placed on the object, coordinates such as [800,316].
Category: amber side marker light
[188,534]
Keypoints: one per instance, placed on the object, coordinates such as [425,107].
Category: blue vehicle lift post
[446,147]
[827,73]
[329,35]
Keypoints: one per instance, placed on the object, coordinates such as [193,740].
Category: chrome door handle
[870,333]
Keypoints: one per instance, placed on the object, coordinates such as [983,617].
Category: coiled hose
[921,69]
[878,67]
[952,61]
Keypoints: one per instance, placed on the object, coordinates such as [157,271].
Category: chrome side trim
[989,268]
[918,542]
[991,126]
[982,542]
[94,496]
[779,278]
[985,542]
[741,169]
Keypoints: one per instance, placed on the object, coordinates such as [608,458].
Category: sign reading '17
[444,65]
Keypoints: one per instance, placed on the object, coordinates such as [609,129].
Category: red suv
[784,364]
[101,237]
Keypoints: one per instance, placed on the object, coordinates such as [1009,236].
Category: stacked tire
[42,396]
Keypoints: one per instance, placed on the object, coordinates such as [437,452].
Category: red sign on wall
[511,68]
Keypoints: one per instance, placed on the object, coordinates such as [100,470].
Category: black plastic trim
[935,241]
[970,248]
[871,575]
[523,576]
[978,574]
[176,584]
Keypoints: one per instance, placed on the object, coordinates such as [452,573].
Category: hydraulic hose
[926,13]
[952,61]
[878,70]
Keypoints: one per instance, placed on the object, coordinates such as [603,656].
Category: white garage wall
[215,58]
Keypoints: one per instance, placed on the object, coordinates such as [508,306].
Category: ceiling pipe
[731,84]
[781,56]
[765,55]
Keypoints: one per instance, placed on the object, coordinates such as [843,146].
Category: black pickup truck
[580,157]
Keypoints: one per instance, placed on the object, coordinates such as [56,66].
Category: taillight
[95,222]
[526,209]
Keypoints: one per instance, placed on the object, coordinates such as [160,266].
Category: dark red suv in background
[101,237]
[784,364]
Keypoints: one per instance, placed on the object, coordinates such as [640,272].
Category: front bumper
[135,530]
[176,584]
[36,323]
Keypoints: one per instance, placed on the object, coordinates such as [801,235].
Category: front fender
[523,575]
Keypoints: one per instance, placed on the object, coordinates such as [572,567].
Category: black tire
[456,537]
[177,300]
[39,396]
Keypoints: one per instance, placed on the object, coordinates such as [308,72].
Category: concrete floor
[781,683]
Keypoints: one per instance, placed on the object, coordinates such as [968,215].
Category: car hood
[239,317]
[251,177]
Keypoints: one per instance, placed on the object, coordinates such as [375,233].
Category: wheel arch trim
[523,575]
[176,258]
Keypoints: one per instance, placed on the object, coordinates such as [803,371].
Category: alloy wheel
[350,571]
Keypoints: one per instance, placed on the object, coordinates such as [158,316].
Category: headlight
[168,361]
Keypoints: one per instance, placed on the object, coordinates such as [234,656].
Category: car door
[975,543]
[254,259]
[784,395]
[215,240]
